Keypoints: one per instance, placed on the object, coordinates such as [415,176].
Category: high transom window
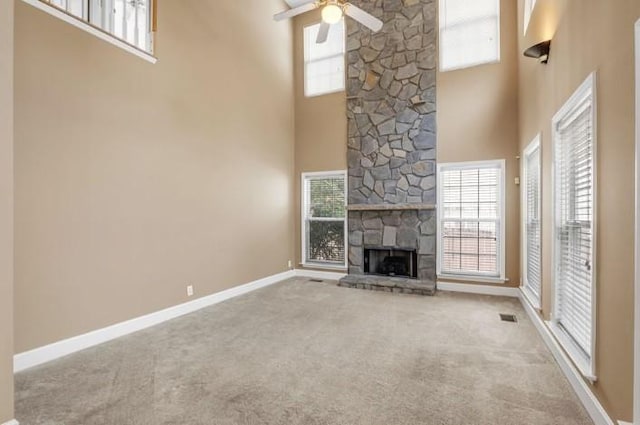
[529,5]
[469,33]
[324,62]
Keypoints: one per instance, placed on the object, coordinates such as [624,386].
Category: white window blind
[574,171]
[128,20]
[532,279]
[324,218]
[469,33]
[529,5]
[471,219]
[324,62]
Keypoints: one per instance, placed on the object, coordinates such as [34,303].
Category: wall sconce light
[540,51]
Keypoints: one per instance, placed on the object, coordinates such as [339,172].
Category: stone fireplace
[391,110]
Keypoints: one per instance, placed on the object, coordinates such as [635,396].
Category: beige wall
[6,210]
[592,35]
[134,180]
[321,124]
[478,120]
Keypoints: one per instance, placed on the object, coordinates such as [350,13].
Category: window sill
[324,93]
[93,30]
[577,356]
[470,65]
[531,298]
[472,278]
[322,266]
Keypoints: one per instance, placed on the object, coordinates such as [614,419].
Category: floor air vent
[316,280]
[509,318]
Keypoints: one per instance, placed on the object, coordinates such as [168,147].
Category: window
[574,232]
[324,219]
[324,63]
[529,5]
[131,21]
[471,220]
[469,33]
[531,229]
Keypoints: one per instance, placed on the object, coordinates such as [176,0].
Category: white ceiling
[296,3]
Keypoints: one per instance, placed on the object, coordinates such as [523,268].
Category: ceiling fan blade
[366,19]
[323,33]
[295,11]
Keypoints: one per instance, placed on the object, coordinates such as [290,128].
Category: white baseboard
[315,274]
[65,347]
[582,390]
[468,288]
[11,422]
[624,423]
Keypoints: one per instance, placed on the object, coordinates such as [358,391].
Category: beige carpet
[313,353]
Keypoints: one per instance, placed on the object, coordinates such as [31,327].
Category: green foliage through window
[325,219]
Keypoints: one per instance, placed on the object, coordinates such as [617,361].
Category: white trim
[303,218]
[323,266]
[529,6]
[597,413]
[316,274]
[473,278]
[624,423]
[536,301]
[12,422]
[65,347]
[499,291]
[588,87]
[636,397]
[503,190]
[78,23]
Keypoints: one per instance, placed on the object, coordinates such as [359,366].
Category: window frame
[499,164]
[304,219]
[99,32]
[534,299]
[586,366]
[529,7]
[473,64]
[307,61]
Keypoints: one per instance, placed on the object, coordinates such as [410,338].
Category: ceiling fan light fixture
[332,13]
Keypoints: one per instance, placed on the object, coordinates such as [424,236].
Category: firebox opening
[391,262]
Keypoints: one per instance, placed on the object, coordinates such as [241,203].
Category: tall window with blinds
[469,33]
[324,65]
[324,219]
[131,21]
[574,196]
[471,220]
[531,229]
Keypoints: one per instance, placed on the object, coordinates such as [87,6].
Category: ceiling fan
[332,12]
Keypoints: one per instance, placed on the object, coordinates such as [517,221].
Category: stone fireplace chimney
[391,110]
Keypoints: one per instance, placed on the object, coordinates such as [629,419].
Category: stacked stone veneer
[391,111]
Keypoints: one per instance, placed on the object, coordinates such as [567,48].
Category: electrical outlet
[289,264]
[190,291]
